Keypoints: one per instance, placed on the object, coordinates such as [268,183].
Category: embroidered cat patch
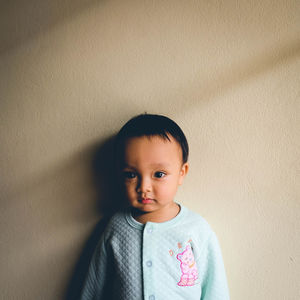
[189,272]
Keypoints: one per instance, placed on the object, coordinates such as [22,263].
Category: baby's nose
[144,185]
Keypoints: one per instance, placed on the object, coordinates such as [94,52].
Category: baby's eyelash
[129,174]
[159,174]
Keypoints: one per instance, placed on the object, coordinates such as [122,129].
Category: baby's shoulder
[117,226]
[195,222]
[117,221]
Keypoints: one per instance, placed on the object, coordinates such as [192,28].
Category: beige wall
[72,72]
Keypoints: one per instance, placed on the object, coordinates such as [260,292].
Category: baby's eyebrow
[126,166]
[154,165]
[160,165]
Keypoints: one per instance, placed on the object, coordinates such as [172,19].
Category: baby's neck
[159,216]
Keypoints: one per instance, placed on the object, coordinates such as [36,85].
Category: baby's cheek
[164,193]
[169,190]
[130,191]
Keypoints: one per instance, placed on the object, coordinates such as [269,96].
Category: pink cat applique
[188,267]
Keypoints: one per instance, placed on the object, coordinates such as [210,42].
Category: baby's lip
[146,200]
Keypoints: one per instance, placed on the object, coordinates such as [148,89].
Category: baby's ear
[183,172]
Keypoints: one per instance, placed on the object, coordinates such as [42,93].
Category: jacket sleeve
[214,282]
[94,285]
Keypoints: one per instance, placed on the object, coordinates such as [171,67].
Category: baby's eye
[159,174]
[129,175]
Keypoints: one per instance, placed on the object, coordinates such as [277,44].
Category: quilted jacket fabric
[179,259]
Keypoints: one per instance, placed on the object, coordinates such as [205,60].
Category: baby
[156,249]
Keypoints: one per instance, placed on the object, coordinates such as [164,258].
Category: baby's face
[152,172]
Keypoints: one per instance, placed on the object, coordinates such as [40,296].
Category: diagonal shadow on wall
[20,21]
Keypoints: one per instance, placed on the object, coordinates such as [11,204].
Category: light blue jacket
[178,260]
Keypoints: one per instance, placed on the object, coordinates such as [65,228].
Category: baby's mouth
[146,200]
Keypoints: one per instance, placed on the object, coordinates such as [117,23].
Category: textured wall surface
[72,72]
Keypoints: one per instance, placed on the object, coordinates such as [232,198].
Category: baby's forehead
[155,147]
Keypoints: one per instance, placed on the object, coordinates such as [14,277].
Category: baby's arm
[95,282]
[214,283]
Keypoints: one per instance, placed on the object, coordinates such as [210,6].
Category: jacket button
[149,264]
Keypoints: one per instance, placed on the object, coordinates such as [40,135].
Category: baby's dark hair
[151,125]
